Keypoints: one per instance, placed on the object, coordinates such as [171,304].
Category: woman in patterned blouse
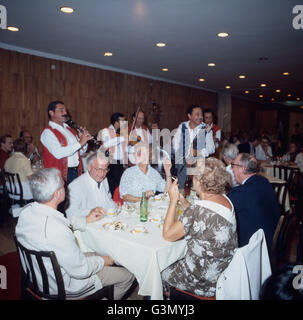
[209,228]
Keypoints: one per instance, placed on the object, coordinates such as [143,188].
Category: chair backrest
[280,190]
[279,243]
[31,258]
[245,274]
[13,187]
[286,173]
[116,196]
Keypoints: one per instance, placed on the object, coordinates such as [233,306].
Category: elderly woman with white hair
[209,228]
[142,177]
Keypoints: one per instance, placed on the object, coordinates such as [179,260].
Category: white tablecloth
[146,256]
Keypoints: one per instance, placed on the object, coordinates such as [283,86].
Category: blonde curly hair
[212,175]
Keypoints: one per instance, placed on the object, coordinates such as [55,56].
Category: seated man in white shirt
[90,192]
[42,228]
[229,153]
[263,150]
[142,177]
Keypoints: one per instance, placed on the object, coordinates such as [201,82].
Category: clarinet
[73,125]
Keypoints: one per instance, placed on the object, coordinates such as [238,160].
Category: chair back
[279,243]
[280,190]
[13,187]
[286,173]
[245,274]
[116,196]
[31,258]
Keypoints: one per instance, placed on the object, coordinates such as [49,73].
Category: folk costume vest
[49,161]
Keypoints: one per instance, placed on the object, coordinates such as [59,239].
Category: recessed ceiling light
[211,64]
[108,54]
[227,87]
[263,85]
[298,99]
[246,91]
[242,76]
[261,96]
[272,99]
[285,73]
[289,95]
[201,79]
[67,9]
[278,90]
[222,34]
[164,69]
[15,29]
[160,44]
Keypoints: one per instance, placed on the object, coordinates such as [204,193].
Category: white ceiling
[131,28]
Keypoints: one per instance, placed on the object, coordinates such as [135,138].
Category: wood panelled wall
[252,116]
[28,84]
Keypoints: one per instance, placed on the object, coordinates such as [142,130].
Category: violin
[133,139]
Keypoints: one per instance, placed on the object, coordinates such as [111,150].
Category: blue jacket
[256,207]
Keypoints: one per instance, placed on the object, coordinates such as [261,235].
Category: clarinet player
[62,145]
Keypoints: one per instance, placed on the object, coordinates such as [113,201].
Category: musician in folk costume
[62,145]
[193,139]
[115,140]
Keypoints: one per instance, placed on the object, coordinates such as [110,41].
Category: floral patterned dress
[211,236]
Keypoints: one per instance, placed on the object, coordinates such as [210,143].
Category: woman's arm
[130,198]
[173,230]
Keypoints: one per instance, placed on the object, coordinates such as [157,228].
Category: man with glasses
[254,201]
[90,192]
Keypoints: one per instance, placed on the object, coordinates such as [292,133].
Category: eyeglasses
[102,170]
[235,164]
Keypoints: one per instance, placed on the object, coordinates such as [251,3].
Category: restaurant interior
[240,61]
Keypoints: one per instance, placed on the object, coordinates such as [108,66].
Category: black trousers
[114,176]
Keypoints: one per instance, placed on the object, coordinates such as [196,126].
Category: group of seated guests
[213,227]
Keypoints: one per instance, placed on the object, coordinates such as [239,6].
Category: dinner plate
[115,226]
[138,232]
[155,220]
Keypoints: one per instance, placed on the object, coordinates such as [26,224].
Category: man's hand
[107,261]
[95,215]
[84,136]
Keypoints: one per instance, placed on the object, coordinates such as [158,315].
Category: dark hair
[3,138]
[115,117]
[253,138]
[20,146]
[279,286]
[265,138]
[208,111]
[134,114]
[52,107]
[191,108]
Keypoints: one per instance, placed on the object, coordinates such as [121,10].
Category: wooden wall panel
[28,84]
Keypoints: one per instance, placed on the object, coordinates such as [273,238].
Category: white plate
[155,220]
[114,226]
[139,233]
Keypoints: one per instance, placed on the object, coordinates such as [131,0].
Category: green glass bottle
[143,208]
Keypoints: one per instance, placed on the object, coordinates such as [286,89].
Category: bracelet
[168,176]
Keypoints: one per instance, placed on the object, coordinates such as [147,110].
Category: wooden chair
[290,175]
[280,190]
[279,243]
[13,189]
[31,288]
